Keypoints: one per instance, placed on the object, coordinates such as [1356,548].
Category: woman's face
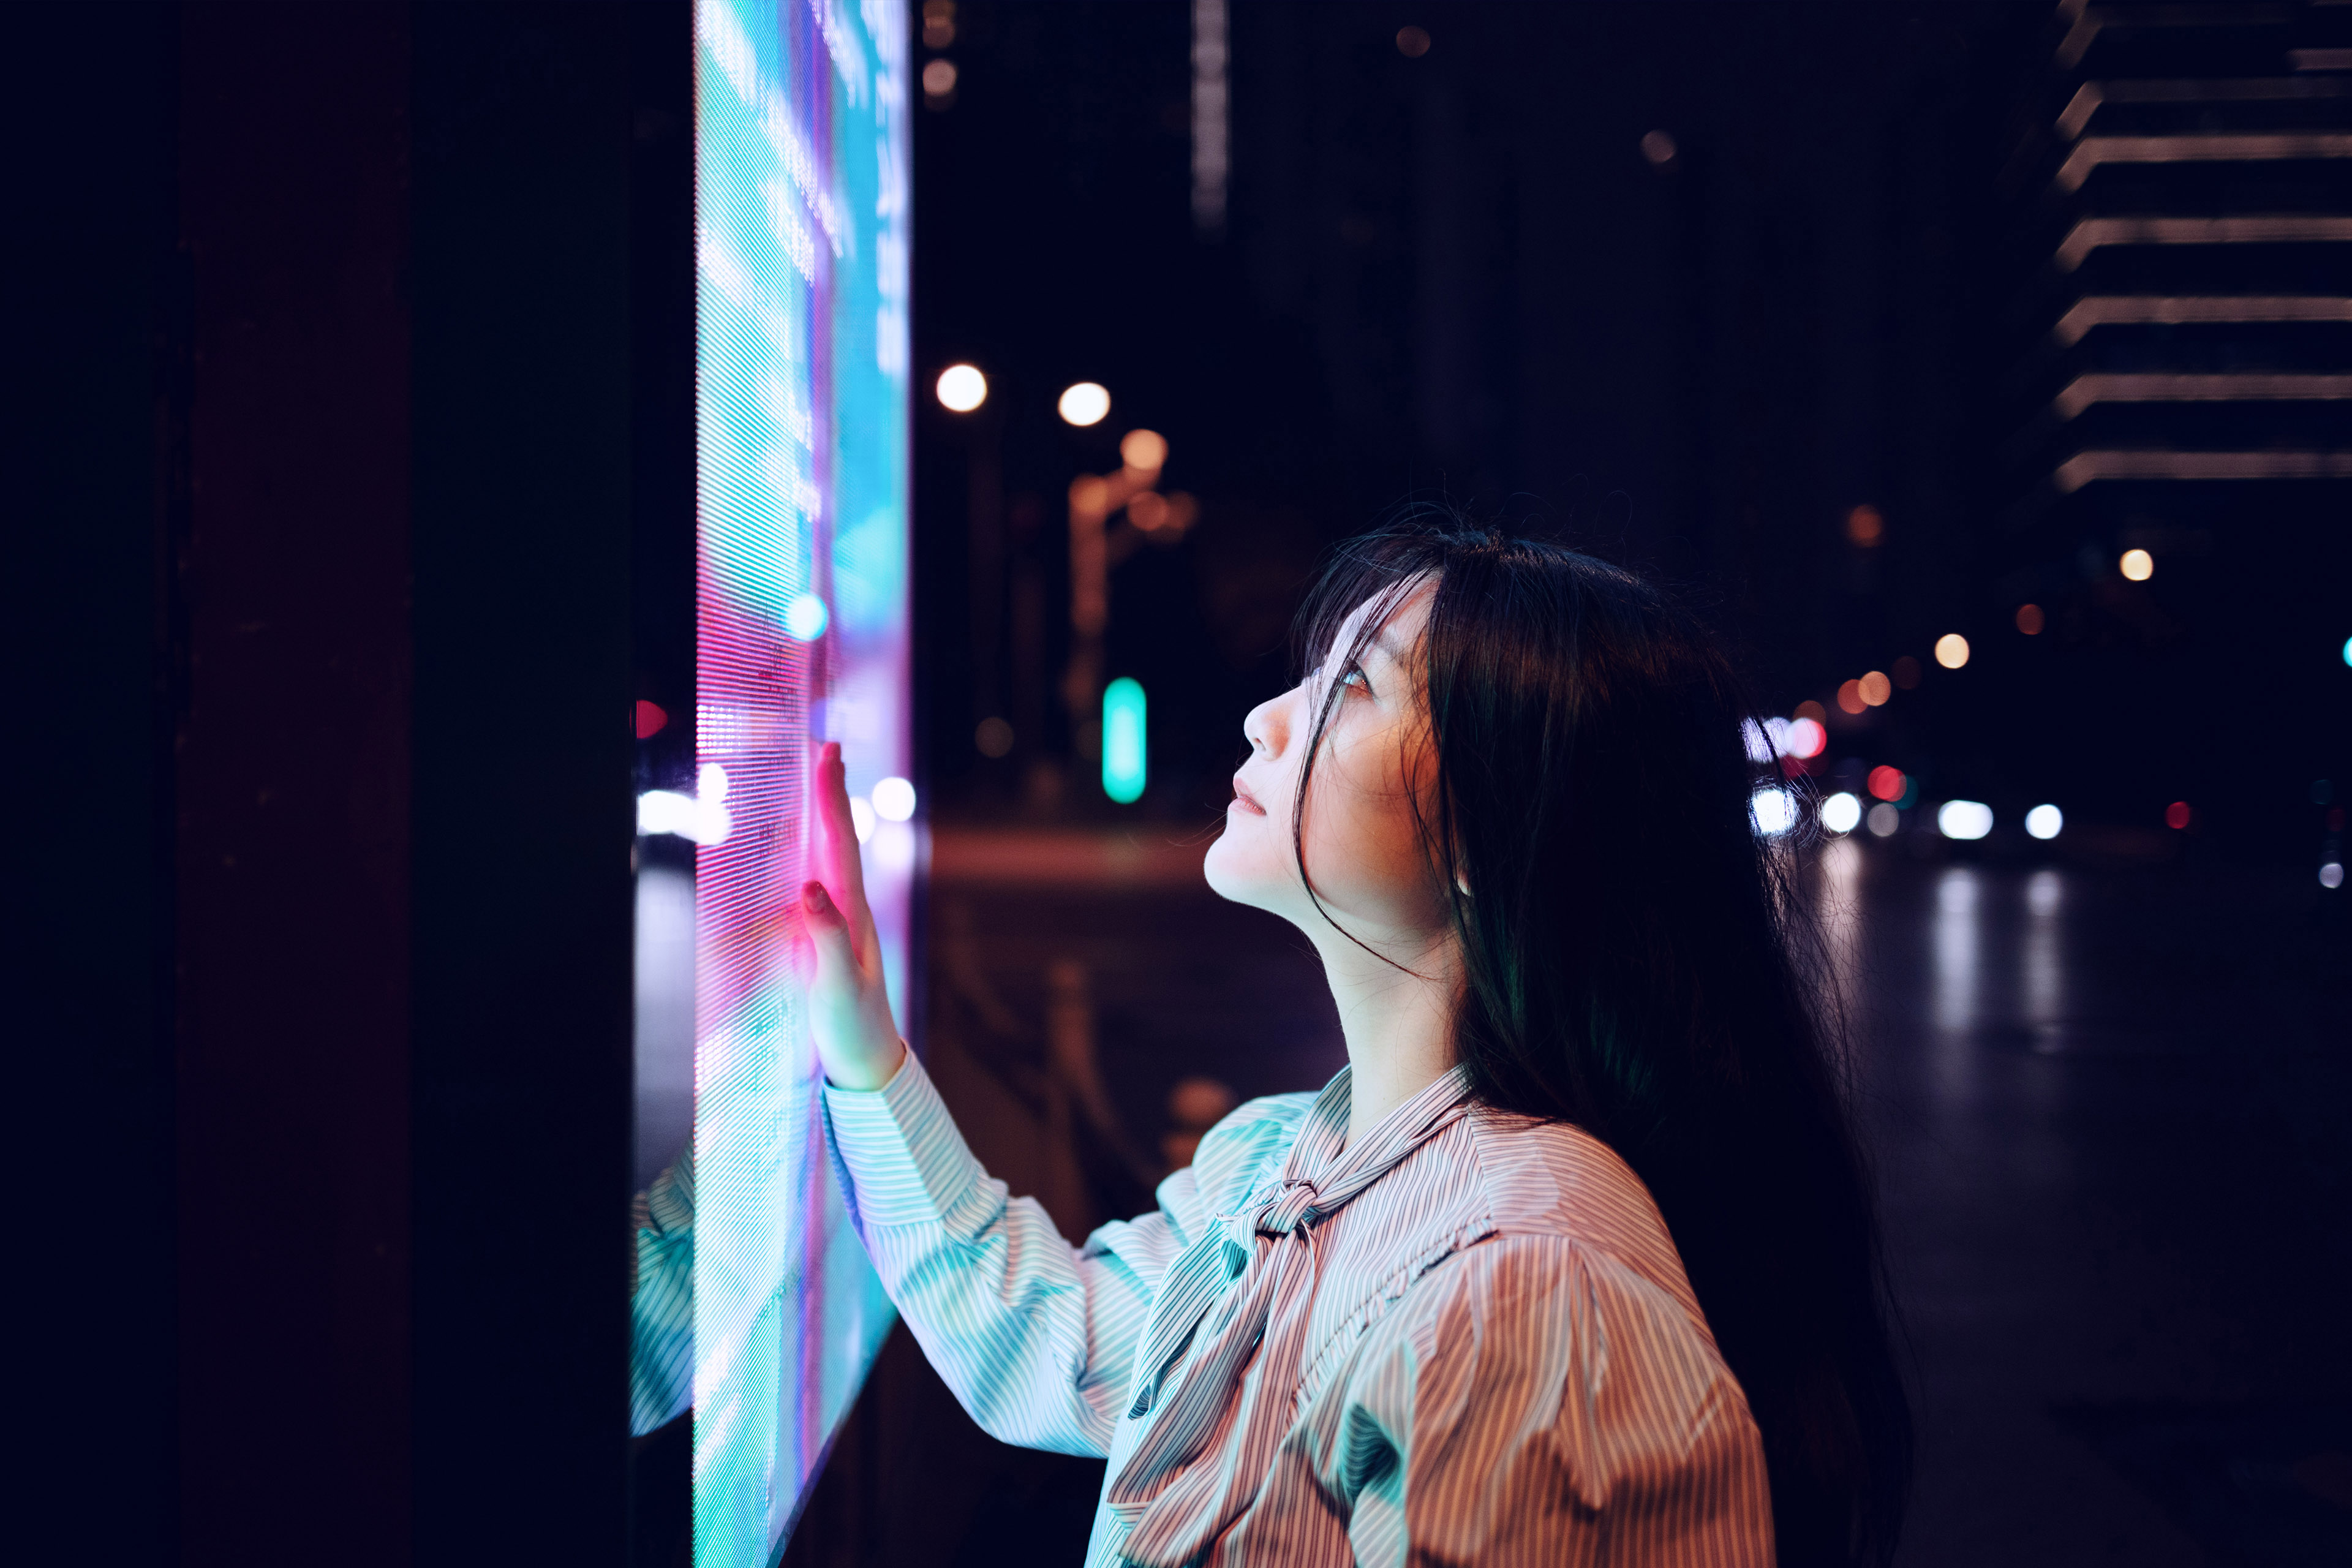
[1362,840]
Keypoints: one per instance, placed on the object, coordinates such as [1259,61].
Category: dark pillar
[523,811]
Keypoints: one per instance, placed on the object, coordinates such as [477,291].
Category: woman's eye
[1354,676]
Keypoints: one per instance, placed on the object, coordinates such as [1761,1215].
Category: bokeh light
[1086,403]
[1808,709]
[1841,813]
[2029,620]
[1866,526]
[1951,651]
[1906,672]
[1412,42]
[1875,689]
[2347,650]
[939,78]
[962,388]
[894,800]
[805,617]
[2045,821]
[1773,811]
[1887,783]
[2137,564]
[992,737]
[1964,819]
[651,717]
[1659,148]
[2178,814]
[1884,819]
[1143,450]
[1805,739]
[1849,697]
[2332,874]
[1126,764]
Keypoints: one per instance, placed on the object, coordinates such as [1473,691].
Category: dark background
[1457,278]
[344,476]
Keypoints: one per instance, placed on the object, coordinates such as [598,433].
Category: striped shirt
[1468,1340]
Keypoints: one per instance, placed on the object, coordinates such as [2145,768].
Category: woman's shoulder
[1547,1178]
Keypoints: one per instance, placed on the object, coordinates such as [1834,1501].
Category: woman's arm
[1035,1337]
[1541,1402]
[661,1298]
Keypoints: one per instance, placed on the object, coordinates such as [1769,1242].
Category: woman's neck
[1398,1022]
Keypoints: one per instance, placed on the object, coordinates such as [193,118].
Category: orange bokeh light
[1874,687]
[2029,620]
[1849,697]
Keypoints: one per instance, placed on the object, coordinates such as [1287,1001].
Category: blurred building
[2168,412]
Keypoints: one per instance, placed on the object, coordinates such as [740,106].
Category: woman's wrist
[868,1076]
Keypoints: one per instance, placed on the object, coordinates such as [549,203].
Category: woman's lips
[1247,801]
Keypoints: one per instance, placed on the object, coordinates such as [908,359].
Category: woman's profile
[1576,1261]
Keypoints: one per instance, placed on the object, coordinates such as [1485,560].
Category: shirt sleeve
[1037,1338]
[1546,1405]
[661,1298]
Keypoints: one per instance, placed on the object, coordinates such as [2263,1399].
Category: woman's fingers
[849,1013]
[838,864]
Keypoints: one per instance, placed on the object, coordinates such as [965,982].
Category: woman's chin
[1225,867]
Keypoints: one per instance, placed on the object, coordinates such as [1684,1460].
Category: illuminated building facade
[2169,392]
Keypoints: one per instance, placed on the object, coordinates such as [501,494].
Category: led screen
[802,210]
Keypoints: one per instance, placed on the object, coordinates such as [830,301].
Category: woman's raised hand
[849,1007]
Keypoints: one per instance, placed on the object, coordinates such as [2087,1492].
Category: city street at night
[2112,1109]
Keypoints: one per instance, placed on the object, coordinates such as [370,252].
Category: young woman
[1575,1261]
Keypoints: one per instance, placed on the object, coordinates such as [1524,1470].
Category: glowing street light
[962,388]
[1087,403]
[1124,757]
[1145,451]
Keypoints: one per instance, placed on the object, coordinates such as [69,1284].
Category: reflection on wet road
[2110,1114]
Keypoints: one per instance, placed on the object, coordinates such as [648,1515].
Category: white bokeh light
[894,800]
[2045,821]
[1086,404]
[962,388]
[1964,819]
[1773,811]
[1841,813]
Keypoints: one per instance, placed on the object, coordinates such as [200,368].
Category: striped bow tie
[1217,1428]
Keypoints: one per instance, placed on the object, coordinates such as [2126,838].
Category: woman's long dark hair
[1635,964]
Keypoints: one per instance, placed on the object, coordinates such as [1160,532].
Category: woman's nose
[1267,727]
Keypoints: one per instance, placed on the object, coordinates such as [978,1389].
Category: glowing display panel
[801,171]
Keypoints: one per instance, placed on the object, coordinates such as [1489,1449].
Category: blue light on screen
[801,212]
